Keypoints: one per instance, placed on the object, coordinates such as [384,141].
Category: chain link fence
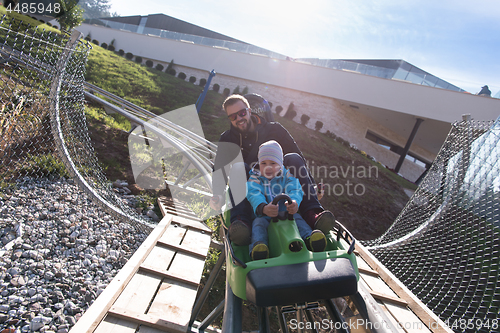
[64,231]
[444,245]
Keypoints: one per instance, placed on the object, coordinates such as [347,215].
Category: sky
[457,41]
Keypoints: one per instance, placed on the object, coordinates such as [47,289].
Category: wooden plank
[139,292]
[112,324]
[417,306]
[197,241]
[187,215]
[187,266]
[175,235]
[362,263]
[183,222]
[182,209]
[164,204]
[145,319]
[364,268]
[391,317]
[375,283]
[388,299]
[182,278]
[167,207]
[163,281]
[174,303]
[368,271]
[407,320]
[159,259]
[196,252]
[94,315]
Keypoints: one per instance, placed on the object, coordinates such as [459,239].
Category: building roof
[169,23]
[396,69]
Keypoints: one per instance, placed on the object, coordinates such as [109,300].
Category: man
[248,131]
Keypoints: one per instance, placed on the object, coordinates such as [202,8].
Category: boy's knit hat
[271,150]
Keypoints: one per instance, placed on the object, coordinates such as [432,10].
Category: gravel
[58,251]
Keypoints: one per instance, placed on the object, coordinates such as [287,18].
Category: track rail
[197,151]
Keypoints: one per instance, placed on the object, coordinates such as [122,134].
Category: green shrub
[149,63]
[236,90]
[319,125]
[171,71]
[203,81]
[129,55]
[45,165]
[226,92]
[138,59]
[182,76]
[216,87]
[159,67]
[111,47]
[170,66]
[245,91]
[290,112]
[342,141]
[331,134]
[95,41]
[192,79]
[121,52]
[279,108]
[104,45]
[304,119]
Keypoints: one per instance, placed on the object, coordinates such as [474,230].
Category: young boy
[267,180]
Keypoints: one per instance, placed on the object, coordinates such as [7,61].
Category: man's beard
[246,128]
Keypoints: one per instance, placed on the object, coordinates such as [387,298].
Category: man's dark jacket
[249,143]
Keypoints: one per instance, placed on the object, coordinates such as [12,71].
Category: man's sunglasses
[242,113]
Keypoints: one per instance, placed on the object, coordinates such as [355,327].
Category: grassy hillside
[147,87]
[364,195]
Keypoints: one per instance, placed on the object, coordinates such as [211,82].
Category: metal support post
[263,320]
[211,317]
[408,145]
[232,312]
[200,100]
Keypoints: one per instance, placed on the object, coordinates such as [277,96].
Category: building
[392,110]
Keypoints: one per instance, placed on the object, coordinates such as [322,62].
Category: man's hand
[270,210]
[292,208]
[216,202]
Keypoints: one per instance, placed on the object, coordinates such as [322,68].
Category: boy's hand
[270,210]
[292,208]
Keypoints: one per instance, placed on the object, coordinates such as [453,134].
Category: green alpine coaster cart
[292,274]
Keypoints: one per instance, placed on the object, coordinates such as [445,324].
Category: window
[396,149]
[381,142]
